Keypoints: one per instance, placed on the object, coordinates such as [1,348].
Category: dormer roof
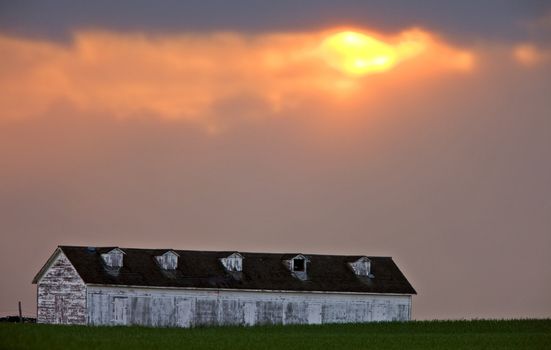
[170,251]
[301,256]
[113,251]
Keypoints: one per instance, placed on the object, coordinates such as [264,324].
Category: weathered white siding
[61,294]
[185,308]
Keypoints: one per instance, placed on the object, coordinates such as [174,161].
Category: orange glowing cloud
[359,54]
[193,76]
[529,55]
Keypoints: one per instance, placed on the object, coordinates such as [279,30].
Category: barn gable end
[61,292]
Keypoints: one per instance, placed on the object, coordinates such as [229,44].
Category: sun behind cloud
[360,54]
[181,76]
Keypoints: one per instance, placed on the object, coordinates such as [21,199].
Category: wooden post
[20,314]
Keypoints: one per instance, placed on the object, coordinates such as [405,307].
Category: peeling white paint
[61,294]
[187,308]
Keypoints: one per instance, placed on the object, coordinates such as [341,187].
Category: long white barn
[168,288]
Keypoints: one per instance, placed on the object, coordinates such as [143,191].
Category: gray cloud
[465,20]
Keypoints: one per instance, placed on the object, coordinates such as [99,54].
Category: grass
[510,334]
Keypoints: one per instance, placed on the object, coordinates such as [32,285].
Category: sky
[419,130]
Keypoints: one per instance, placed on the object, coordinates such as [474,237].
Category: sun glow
[181,76]
[359,54]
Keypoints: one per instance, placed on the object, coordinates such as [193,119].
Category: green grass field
[514,334]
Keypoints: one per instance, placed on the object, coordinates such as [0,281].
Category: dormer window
[113,258]
[298,266]
[233,263]
[168,261]
[362,267]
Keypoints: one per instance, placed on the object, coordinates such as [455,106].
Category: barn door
[183,312]
[380,311]
[249,313]
[60,309]
[403,312]
[120,308]
[314,313]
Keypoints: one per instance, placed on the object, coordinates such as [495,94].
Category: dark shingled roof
[265,271]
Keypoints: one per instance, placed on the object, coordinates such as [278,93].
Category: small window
[168,261]
[362,267]
[233,263]
[113,258]
[298,265]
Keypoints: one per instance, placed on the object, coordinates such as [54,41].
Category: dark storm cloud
[464,20]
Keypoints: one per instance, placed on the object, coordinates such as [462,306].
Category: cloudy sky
[419,130]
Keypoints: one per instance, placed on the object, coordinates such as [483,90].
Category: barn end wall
[160,307]
[61,294]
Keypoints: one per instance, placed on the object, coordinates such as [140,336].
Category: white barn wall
[61,294]
[166,307]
